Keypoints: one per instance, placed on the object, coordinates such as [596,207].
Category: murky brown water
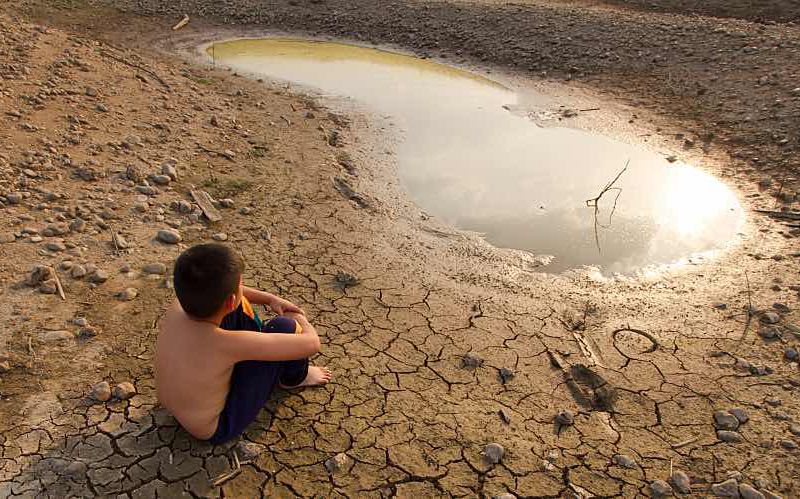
[468,161]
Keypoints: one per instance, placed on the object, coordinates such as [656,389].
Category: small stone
[76,469]
[91,91]
[169,169]
[748,492]
[246,210]
[770,317]
[248,451]
[14,198]
[773,401]
[728,488]
[128,294]
[57,336]
[791,354]
[794,429]
[162,179]
[87,332]
[102,108]
[781,308]
[101,391]
[681,482]
[230,155]
[740,414]
[660,488]
[169,236]
[471,359]
[505,416]
[506,374]
[98,277]
[565,418]
[768,333]
[725,421]
[220,236]
[55,246]
[789,444]
[156,268]
[494,452]
[504,496]
[48,287]
[8,237]
[624,461]
[124,391]
[77,272]
[730,437]
[226,203]
[338,462]
[80,321]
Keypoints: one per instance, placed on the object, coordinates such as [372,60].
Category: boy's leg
[293,372]
[253,381]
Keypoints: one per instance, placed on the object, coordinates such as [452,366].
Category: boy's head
[207,279]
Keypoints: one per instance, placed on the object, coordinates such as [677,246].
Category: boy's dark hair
[205,276]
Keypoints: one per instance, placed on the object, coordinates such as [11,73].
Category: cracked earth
[440,344]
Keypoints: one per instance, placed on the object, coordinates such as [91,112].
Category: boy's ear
[230,303]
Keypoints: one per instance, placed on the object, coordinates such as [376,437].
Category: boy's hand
[281,306]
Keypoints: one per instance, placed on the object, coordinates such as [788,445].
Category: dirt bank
[643,366]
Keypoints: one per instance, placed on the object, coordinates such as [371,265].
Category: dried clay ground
[441,345]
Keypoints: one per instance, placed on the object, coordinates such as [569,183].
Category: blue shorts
[253,381]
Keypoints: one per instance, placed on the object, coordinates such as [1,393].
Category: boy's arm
[276,303]
[250,345]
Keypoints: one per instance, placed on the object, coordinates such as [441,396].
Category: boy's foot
[316,376]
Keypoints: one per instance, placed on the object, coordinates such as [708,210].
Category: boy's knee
[281,325]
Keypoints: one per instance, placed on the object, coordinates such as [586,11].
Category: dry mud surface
[440,345]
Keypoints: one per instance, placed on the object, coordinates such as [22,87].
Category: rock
[57,336]
[768,333]
[781,308]
[48,287]
[77,272]
[8,237]
[91,92]
[740,414]
[76,470]
[660,488]
[773,401]
[791,354]
[87,332]
[728,488]
[472,360]
[506,374]
[228,154]
[246,210]
[14,198]
[124,391]
[119,242]
[101,391]
[161,179]
[55,246]
[794,429]
[128,294]
[505,416]
[39,274]
[220,236]
[102,108]
[788,444]
[156,268]
[730,437]
[565,418]
[749,492]
[344,280]
[169,236]
[338,462]
[624,461]
[169,168]
[248,451]
[725,421]
[770,317]
[504,496]
[680,481]
[78,225]
[98,277]
[226,203]
[494,452]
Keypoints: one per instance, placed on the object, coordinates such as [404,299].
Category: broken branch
[595,203]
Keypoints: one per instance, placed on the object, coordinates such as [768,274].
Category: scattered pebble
[565,418]
[471,359]
[740,414]
[98,276]
[660,488]
[725,421]
[247,451]
[220,236]
[794,429]
[791,354]
[505,415]
[624,461]
[156,268]
[770,317]
[57,336]
[169,236]
[730,437]
[77,272]
[506,374]
[749,492]
[101,391]
[728,488]
[773,401]
[681,482]
[789,444]
[128,294]
[338,462]
[494,452]
[124,391]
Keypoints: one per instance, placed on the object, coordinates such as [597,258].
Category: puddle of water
[468,161]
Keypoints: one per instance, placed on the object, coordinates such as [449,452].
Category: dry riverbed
[459,370]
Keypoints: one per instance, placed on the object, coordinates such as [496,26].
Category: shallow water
[471,163]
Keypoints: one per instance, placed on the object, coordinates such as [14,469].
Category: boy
[215,365]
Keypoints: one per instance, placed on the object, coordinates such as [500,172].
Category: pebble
[768,333]
[76,469]
[494,452]
[789,444]
[55,246]
[169,236]
[161,179]
[624,461]
[681,482]
[57,336]
[124,391]
[725,421]
[506,374]
[77,272]
[749,492]
[660,488]
[471,359]
[781,307]
[770,317]
[48,287]
[14,198]
[504,496]
[128,294]
[87,332]
[98,276]
[220,236]
[740,414]
[730,437]
[565,418]
[7,238]
[248,451]
[794,429]
[226,203]
[728,488]
[155,268]
[773,401]
[505,416]
[101,391]
[791,353]
[245,210]
[337,463]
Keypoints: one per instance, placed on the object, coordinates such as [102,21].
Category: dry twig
[595,203]
[58,284]
[134,65]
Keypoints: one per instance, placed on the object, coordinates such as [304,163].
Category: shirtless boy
[216,363]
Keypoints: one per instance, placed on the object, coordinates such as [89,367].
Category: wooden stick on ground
[136,66]
[183,22]
[58,284]
[685,443]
